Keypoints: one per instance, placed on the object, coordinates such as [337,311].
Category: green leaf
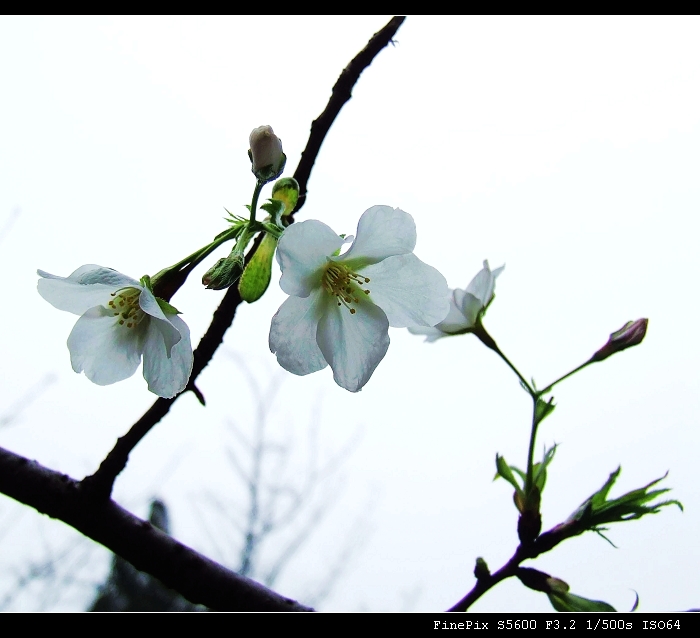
[257,274]
[503,470]
[539,472]
[564,601]
[597,510]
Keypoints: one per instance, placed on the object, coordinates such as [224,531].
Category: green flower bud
[286,190]
[223,273]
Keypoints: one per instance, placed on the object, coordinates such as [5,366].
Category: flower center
[344,284]
[125,305]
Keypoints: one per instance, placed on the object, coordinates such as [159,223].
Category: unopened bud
[631,334]
[481,569]
[286,190]
[534,578]
[223,273]
[266,154]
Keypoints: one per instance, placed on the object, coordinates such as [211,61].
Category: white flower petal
[431,334]
[87,287]
[104,350]
[91,274]
[483,284]
[150,306]
[471,307]
[293,334]
[167,375]
[382,231]
[302,251]
[410,292]
[353,344]
[455,321]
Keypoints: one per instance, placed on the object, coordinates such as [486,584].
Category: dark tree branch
[86,505]
[341,93]
[543,543]
[100,483]
[196,577]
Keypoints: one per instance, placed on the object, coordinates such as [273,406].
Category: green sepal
[167,308]
[564,601]
[145,281]
[543,409]
[257,274]
[275,208]
[267,173]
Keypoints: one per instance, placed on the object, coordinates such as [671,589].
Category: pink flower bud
[631,334]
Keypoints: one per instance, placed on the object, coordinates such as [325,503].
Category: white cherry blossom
[121,322]
[341,306]
[466,306]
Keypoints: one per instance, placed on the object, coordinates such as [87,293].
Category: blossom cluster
[338,313]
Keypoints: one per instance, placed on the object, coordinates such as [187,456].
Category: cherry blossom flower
[466,306]
[121,321]
[341,306]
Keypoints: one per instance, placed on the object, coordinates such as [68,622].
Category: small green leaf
[540,469]
[503,470]
[257,274]
[563,601]
[597,510]
[519,472]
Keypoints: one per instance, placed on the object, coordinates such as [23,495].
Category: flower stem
[196,257]
[489,342]
[254,203]
[566,376]
[531,449]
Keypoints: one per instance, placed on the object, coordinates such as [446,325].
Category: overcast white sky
[566,148]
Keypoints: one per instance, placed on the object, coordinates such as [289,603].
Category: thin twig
[341,93]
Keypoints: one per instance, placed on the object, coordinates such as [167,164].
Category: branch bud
[631,334]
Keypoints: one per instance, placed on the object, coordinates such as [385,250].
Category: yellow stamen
[126,307]
[344,284]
